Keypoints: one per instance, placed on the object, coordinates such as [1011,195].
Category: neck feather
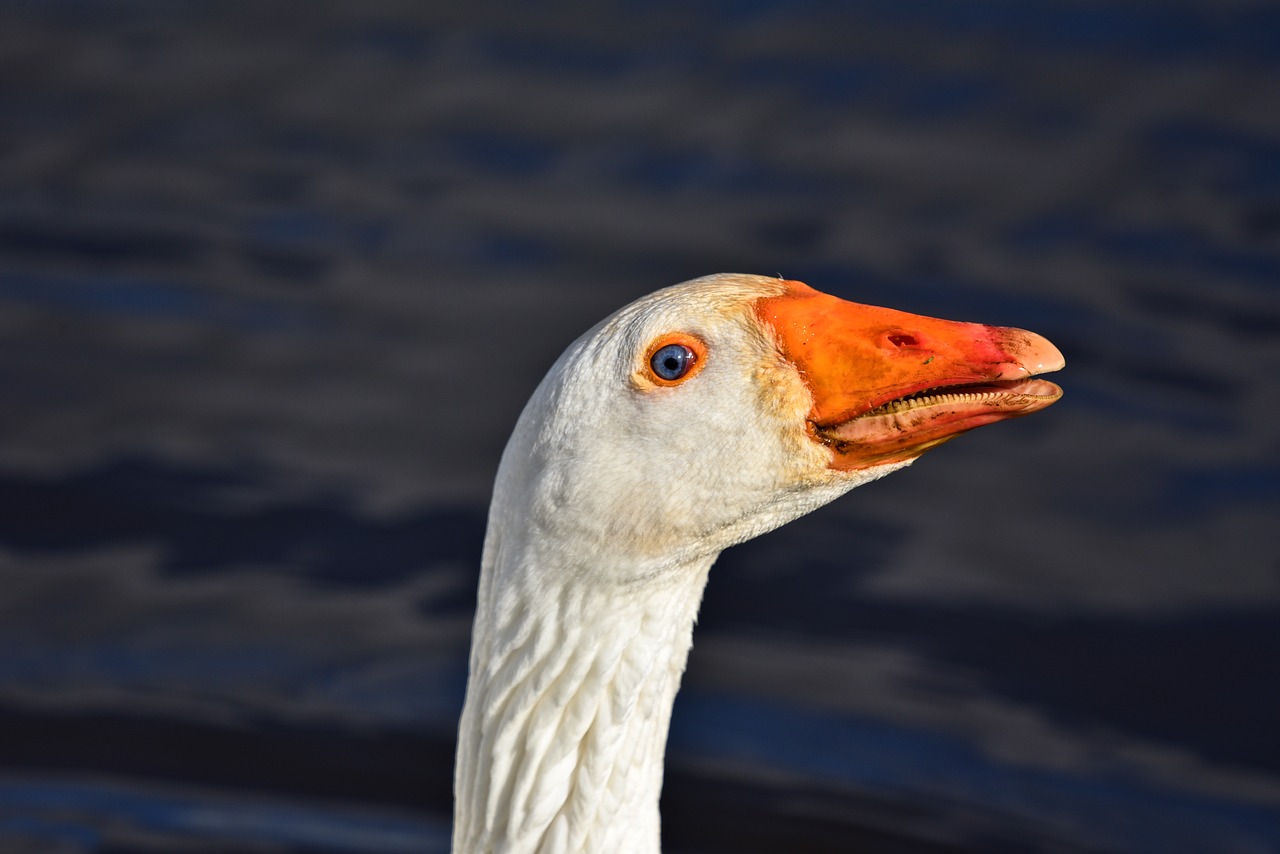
[573,675]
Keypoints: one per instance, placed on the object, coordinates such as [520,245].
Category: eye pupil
[672,361]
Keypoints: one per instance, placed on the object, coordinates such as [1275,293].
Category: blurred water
[275,281]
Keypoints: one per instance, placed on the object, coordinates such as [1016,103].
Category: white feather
[611,503]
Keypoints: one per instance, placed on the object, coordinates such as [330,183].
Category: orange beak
[888,385]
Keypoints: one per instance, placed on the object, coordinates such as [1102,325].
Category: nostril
[903,340]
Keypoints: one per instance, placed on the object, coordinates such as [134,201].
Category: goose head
[710,412]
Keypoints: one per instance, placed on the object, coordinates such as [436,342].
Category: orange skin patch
[856,359]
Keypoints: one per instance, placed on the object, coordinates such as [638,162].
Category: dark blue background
[275,280]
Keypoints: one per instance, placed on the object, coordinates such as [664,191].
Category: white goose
[693,419]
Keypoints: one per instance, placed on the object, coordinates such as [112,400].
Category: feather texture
[615,494]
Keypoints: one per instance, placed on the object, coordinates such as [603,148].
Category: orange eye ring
[673,359]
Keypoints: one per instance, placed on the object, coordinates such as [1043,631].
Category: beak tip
[1051,361]
[1034,353]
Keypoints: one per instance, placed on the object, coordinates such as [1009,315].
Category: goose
[693,419]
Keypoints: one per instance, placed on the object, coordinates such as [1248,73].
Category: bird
[692,419]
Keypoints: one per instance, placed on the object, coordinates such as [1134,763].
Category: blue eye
[672,362]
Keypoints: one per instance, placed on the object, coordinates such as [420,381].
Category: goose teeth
[928,398]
